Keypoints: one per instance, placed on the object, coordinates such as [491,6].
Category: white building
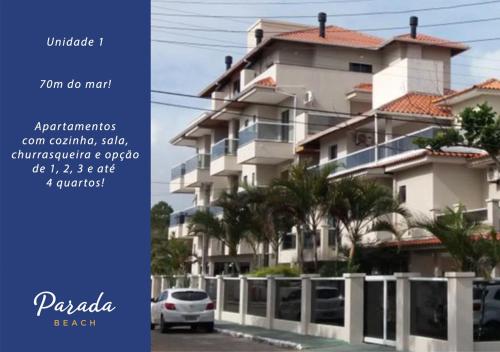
[329,93]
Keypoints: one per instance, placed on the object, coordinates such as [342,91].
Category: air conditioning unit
[493,175]
[308,97]
[365,139]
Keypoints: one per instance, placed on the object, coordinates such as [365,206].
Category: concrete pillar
[388,130]
[403,309]
[305,304]
[492,206]
[156,286]
[220,297]
[201,283]
[271,301]
[243,298]
[460,317]
[163,283]
[354,306]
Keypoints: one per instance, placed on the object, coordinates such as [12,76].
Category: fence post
[202,283]
[354,306]
[460,311]
[305,305]
[271,301]
[403,309]
[243,298]
[156,286]
[220,297]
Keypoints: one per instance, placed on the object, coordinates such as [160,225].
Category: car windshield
[189,295]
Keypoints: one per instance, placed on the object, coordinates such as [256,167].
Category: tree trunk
[300,248]
[204,254]
[315,249]
[276,248]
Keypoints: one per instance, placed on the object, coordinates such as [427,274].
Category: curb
[268,340]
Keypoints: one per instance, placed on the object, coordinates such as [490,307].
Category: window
[285,120]
[189,295]
[357,67]
[332,152]
[288,241]
[333,233]
[402,194]
[236,87]
[308,239]
[245,180]
[253,178]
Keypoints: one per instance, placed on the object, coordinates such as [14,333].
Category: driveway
[185,340]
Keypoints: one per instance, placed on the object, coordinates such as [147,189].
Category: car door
[157,306]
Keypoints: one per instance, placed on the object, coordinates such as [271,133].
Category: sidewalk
[291,340]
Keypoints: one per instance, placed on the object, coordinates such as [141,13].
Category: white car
[183,307]
[487,317]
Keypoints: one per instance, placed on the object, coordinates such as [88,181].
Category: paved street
[185,340]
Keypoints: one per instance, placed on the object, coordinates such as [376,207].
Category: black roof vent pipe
[259,34]
[413,26]
[322,22]
[228,61]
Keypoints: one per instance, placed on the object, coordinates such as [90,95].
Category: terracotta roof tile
[428,241]
[334,36]
[428,39]
[491,84]
[266,82]
[417,103]
[365,87]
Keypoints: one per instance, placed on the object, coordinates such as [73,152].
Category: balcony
[179,220]
[223,158]
[372,155]
[197,170]
[177,184]
[265,143]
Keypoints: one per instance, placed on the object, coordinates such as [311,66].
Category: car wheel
[163,326]
[209,327]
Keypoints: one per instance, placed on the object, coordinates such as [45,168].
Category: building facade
[326,94]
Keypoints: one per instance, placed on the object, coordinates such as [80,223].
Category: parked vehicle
[183,307]
[328,305]
[486,311]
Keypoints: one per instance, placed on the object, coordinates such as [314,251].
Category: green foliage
[480,128]
[305,191]
[362,206]
[473,246]
[178,254]
[160,220]
[277,270]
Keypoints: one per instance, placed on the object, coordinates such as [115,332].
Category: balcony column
[492,206]
[230,129]
[375,124]
[388,129]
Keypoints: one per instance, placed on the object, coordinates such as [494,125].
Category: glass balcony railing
[182,217]
[384,150]
[224,147]
[178,171]
[199,161]
[266,131]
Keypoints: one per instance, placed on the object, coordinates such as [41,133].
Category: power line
[336,30]
[354,14]
[260,3]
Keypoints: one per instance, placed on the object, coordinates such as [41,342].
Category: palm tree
[305,190]
[231,228]
[271,217]
[472,245]
[361,206]
[204,224]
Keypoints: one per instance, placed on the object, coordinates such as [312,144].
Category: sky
[188,69]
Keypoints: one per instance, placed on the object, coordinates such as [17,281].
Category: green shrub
[278,270]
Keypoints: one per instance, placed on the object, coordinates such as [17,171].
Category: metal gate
[380,310]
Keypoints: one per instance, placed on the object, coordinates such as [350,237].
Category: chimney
[413,26]
[229,62]
[259,34]
[322,21]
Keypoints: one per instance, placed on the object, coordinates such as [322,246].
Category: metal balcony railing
[224,147]
[266,131]
[182,217]
[379,152]
[199,161]
[178,171]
